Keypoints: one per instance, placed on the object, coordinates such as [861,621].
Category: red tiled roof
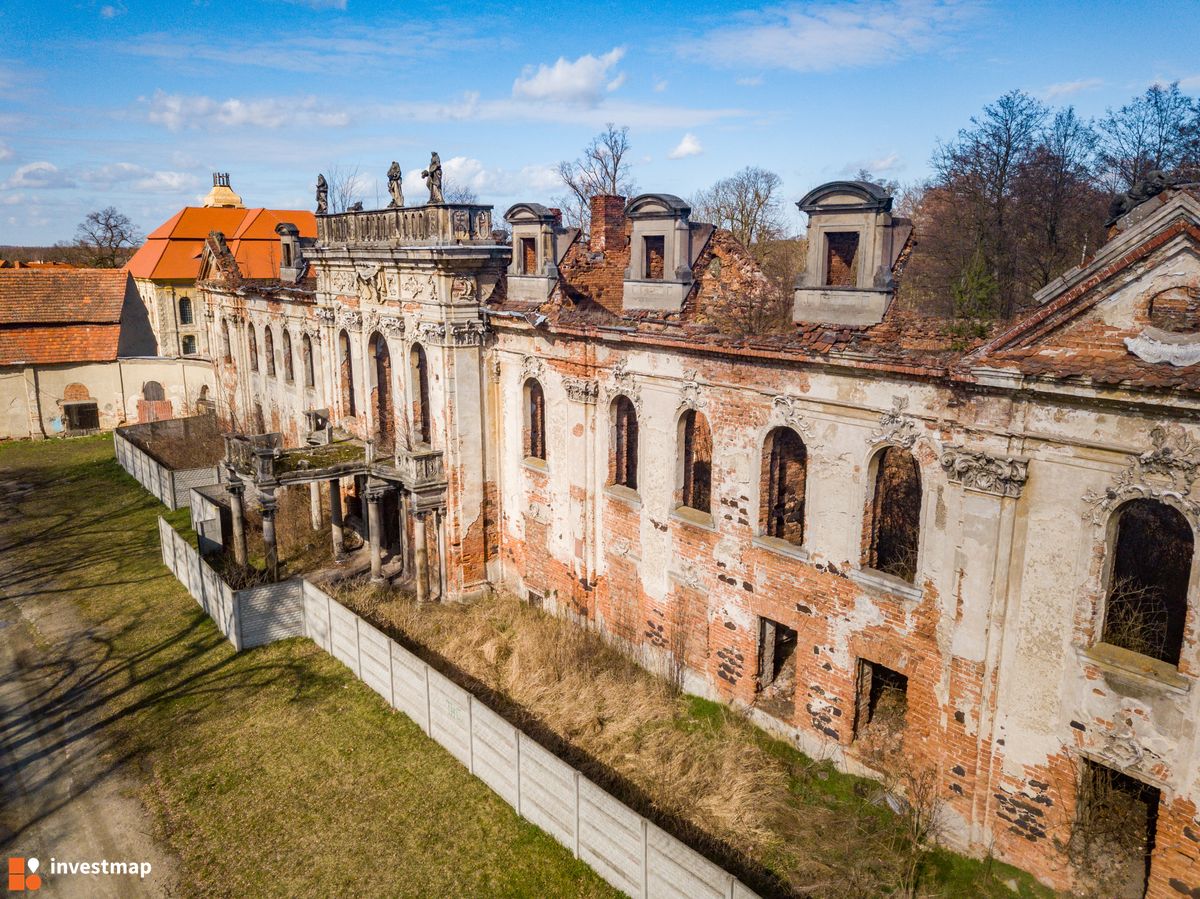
[47,295]
[50,344]
[172,251]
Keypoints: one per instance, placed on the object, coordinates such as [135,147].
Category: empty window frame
[695,450]
[528,256]
[1113,837]
[623,457]
[1148,583]
[535,420]
[289,371]
[893,527]
[882,698]
[306,360]
[422,422]
[346,374]
[252,338]
[269,350]
[189,344]
[655,257]
[776,648]
[841,259]
[782,485]
[226,343]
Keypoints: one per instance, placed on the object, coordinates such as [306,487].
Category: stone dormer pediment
[539,243]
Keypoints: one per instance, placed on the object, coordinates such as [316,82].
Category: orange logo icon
[22,876]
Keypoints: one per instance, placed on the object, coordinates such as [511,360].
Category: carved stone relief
[531,367]
[1002,476]
[790,411]
[1167,470]
[896,426]
[581,390]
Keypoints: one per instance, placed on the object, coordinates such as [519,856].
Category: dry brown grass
[700,769]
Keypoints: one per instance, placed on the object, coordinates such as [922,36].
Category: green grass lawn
[270,772]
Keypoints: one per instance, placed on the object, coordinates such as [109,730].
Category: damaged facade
[856,519]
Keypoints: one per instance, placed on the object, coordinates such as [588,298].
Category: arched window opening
[346,374]
[894,519]
[269,350]
[695,448]
[381,389]
[152,390]
[535,421]
[252,336]
[226,343]
[306,359]
[185,311]
[419,379]
[782,485]
[623,456]
[289,371]
[189,344]
[1148,586]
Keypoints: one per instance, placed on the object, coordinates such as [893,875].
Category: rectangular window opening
[776,668]
[656,255]
[882,705]
[82,416]
[1112,841]
[528,256]
[841,259]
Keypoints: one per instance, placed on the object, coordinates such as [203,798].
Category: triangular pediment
[1129,316]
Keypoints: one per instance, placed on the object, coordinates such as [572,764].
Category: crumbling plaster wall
[987,637]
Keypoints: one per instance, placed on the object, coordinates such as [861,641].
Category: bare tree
[602,169]
[1160,130]
[457,193]
[747,205]
[107,237]
[346,187]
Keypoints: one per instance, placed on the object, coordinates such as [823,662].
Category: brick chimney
[608,222]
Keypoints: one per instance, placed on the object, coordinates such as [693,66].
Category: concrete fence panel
[375,660]
[494,750]
[612,838]
[410,685]
[450,716]
[316,617]
[548,792]
[675,871]
[343,643]
[270,612]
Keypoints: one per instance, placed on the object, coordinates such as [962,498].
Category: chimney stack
[608,223]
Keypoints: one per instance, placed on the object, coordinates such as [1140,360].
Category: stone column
[421,557]
[439,540]
[237,507]
[375,494]
[335,518]
[314,498]
[268,525]
[404,548]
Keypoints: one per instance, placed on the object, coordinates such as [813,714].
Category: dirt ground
[63,792]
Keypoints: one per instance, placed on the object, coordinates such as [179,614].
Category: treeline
[1025,192]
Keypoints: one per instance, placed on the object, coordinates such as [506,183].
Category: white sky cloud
[39,175]
[180,111]
[689,146]
[824,37]
[138,178]
[751,81]
[5,151]
[584,81]
[1069,88]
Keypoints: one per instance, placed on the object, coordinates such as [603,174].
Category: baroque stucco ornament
[896,426]
[581,390]
[790,411]
[690,396]
[1165,471]
[531,367]
[1000,475]
[624,384]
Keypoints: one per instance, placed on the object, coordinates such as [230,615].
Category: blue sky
[135,104]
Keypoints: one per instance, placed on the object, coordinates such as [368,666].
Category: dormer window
[539,244]
[853,246]
[663,248]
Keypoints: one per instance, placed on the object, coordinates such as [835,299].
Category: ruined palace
[855,517]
